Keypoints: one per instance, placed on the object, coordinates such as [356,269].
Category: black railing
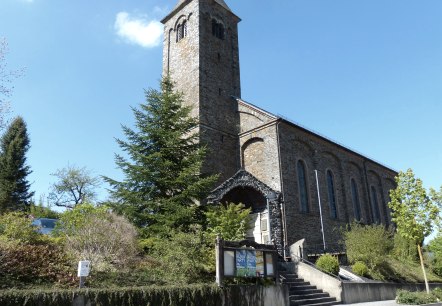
[318,250]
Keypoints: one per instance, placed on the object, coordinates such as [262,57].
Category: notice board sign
[84,267]
[245,259]
[245,263]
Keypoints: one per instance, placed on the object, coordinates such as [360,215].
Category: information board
[84,267]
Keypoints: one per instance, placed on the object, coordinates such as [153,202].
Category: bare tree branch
[75,186]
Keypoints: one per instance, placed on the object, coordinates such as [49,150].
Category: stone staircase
[302,293]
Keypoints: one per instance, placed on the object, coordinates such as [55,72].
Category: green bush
[230,222]
[22,264]
[328,263]
[41,211]
[360,268]
[184,258]
[404,249]
[199,295]
[436,267]
[369,244]
[437,292]
[414,298]
[108,240]
[17,227]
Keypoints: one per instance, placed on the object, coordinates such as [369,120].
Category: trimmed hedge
[197,295]
[416,298]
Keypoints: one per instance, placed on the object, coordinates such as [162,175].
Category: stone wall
[259,145]
[323,155]
[206,69]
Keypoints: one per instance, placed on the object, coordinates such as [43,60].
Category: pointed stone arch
[243,179]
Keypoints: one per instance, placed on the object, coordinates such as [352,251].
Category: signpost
[84,267]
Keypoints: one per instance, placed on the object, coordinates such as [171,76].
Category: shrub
[437,292]
[197,295]
[183,258]
[360,268]
[404,249]
[41,211]
[27,263]
[414,298]
[436,267]
[17,227]
[328,263]
[369,244]
[106,239]
[230,222]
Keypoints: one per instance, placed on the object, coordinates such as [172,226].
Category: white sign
[84,267]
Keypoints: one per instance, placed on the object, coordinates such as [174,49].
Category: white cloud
[140,31]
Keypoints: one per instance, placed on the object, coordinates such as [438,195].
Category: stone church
[299,185]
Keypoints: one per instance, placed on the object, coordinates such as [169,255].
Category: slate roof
[220,2]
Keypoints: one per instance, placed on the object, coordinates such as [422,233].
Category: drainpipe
[268,222]
[284,217]
[320,209]
[367,186]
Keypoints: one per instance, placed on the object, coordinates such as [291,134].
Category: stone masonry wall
[206,69]
[321,154]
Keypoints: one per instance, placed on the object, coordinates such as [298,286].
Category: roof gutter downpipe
[284,218]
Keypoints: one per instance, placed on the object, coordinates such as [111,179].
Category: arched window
[217,29]
[331,195]
[184,28]
[181,31]
[303,191]
[376,217]
[355,199]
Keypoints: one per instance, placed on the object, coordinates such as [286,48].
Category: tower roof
[220,2]
[182,3]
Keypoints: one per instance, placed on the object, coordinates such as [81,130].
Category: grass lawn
[405,272]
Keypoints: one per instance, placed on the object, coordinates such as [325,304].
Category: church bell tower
[201,55]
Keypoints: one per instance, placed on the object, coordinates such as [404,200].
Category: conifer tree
[14,186]
[163,181]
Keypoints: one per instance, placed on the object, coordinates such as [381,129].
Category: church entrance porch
[265,203]
[259,216]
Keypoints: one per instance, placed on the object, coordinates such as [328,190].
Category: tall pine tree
[163,180]
[14,186]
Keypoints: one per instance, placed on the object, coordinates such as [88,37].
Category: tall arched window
[184,28]
[355,199]
[374,205]
[331,195]
[181,31]
[217,29]
[303,191]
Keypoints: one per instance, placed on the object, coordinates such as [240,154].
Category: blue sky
[366,73]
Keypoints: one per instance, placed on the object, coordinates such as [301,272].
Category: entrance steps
[303,293]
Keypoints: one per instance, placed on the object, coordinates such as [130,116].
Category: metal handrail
[331,248]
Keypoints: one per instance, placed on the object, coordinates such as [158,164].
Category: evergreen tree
[14,187]
[163,181]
